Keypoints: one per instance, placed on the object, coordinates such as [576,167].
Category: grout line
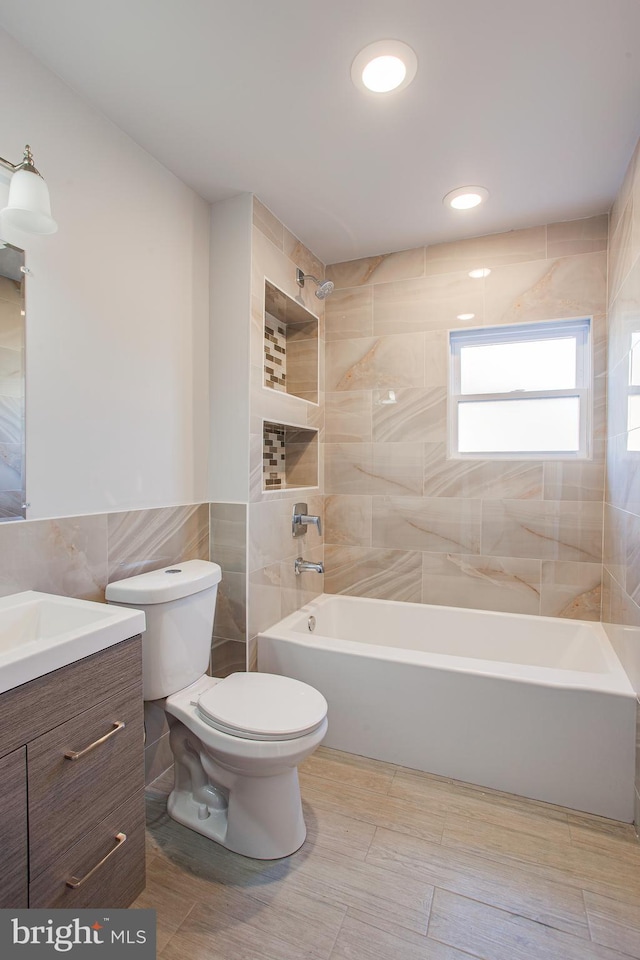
[375,832]
[393,780]
[463,953]
[483,863]
[433,897]
[178,928]
[335,940]
[586,913]
[457,948]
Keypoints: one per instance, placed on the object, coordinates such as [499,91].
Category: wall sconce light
[29,207]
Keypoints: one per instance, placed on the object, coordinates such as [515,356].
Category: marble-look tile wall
[302,360]
[78,556]
[273,589]
[621,596]
[228,547]
[403,521]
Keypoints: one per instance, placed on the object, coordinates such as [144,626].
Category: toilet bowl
[255,809]
[236,741]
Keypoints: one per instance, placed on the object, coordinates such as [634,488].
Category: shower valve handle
[316,521]
[300,520]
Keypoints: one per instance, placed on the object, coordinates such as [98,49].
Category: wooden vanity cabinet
[72,784]
[14,888]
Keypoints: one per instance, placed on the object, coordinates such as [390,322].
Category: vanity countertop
[41,632]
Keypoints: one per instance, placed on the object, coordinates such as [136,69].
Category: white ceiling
[539,101]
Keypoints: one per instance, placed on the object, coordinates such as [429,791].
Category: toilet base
[258,817]
[182,807]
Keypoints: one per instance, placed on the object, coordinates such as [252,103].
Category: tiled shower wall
[404,522]
[228,547]
[274,591]
[621,596]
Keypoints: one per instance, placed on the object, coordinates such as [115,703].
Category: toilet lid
[262,706]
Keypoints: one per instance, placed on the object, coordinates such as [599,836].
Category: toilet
[237,741]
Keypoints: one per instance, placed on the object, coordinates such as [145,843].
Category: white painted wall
[117,309]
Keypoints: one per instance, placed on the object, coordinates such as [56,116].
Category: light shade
[29,206]
[384,66]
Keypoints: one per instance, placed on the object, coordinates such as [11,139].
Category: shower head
[324,290]
[325,287]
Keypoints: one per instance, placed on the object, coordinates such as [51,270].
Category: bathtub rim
[615,682]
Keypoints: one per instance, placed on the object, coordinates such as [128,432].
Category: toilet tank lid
[169,583]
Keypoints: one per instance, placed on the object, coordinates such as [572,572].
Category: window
[521,391]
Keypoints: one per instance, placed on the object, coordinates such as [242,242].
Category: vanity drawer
[111,870]
[68,797]
[13,831]
[32,709]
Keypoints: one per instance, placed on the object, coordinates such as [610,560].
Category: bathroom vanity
[72,782]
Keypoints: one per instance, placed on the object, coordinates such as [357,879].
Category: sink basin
[41,632]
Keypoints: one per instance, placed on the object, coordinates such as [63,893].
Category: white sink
[40,632]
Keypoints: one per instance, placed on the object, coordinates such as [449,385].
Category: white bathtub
[535,706]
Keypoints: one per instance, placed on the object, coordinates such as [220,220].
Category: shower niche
[289,456]
[290,346]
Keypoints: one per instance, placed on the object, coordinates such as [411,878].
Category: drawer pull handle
[77,754]
[74,883]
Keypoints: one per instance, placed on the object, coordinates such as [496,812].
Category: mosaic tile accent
[275,353]
[273,456]
[290,345]
[289,457]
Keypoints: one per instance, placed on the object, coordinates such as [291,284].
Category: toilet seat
[262,706]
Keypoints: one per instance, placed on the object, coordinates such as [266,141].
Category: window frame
[580,327]
[633,390]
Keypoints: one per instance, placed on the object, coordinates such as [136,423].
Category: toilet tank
[179,603]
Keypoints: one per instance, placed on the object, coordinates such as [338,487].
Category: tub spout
[302,566]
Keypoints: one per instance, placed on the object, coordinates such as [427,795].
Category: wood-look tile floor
[400,865]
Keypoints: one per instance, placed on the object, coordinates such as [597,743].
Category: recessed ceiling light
[384,66]
[465,198]
[465,316]
[480,273]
